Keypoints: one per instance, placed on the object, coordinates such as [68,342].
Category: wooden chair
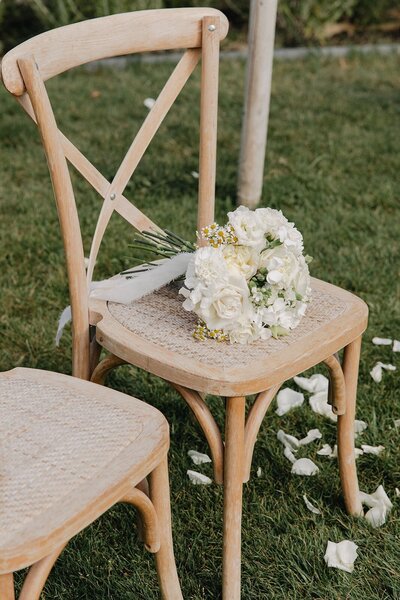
[155,333]
[71,449]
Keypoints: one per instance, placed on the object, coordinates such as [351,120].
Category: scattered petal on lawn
[397,492]
[396,346]
[359,427]
[341,555]
[310,506]
[288,399]
[194,174]
[326,450]
[372,449]
[149,103]
[289,441]
[259,472]
[289,454]
[319,404]
[198,458]
[379,506]
[304,466]
[198,478]
[397,423]
[376,372]
[315,383]
[357,452]
[312,435]
[381,341]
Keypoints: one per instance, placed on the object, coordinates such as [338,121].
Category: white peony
[244,258]
[247,227]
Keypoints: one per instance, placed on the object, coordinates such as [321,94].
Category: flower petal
[149,103]
[310,506]
[326,450]
[259,472]
[198,458]
[376,372]
[198,478]
[319,404]
[304,466]
[341,555]
[288,399]
[312,435]
[381,341]
[396,346]
[289,441]
[376,450]
[289,454]
[315,383]
[359,427]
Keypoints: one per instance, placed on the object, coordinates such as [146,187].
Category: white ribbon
[125,289]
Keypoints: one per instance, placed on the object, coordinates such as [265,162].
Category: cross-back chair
[70,450]
[155,333]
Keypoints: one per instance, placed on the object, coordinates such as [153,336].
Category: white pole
[256,102]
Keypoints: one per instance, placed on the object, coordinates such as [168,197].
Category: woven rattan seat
[158,321]
[64,444]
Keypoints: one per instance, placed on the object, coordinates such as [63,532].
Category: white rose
[247,227]
[244,258]
[271,220]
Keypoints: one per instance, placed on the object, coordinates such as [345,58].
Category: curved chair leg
[37,576]
[207,423]
[165,561]
[347,463]
[253,423]
[233,486]
[7,587]
[104,367]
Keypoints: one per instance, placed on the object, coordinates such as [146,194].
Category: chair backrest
[24,71]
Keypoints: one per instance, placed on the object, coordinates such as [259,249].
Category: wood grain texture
[66,47]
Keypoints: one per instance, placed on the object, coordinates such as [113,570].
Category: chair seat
[69,449]
[156,333]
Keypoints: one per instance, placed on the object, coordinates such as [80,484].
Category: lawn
[333,167]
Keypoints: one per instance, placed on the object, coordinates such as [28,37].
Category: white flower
[208,265]
[247,227]
[244,258]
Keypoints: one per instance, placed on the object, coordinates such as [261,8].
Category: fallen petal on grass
[377,371]
[376,450]
[288,399]
[304,466]
[396,346]
[198,478]
[359,427]
[289,454]
[326,450]
[381,341]
[319,404]
[149,103]
[397,492]
[198,458]
[194,174]
[397,423]
[259,472]
[379,505]
[310,506]
[315,383]
[341,555]
[312,435]
[289,441]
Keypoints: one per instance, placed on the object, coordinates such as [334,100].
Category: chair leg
[165,561]
[7,587]
[233,486]
[37,576]
[347,463]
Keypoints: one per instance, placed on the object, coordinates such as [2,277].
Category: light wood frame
[199,30]
[40,542]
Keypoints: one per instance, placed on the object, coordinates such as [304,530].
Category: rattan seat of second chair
[70,449]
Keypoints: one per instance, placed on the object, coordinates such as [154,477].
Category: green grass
[333,167]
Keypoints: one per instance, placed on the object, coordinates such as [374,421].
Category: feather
[124,291]
[64,319]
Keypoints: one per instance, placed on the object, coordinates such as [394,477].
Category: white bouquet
[245,281]
[251,280]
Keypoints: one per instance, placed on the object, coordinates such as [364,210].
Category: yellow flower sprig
[216,235]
